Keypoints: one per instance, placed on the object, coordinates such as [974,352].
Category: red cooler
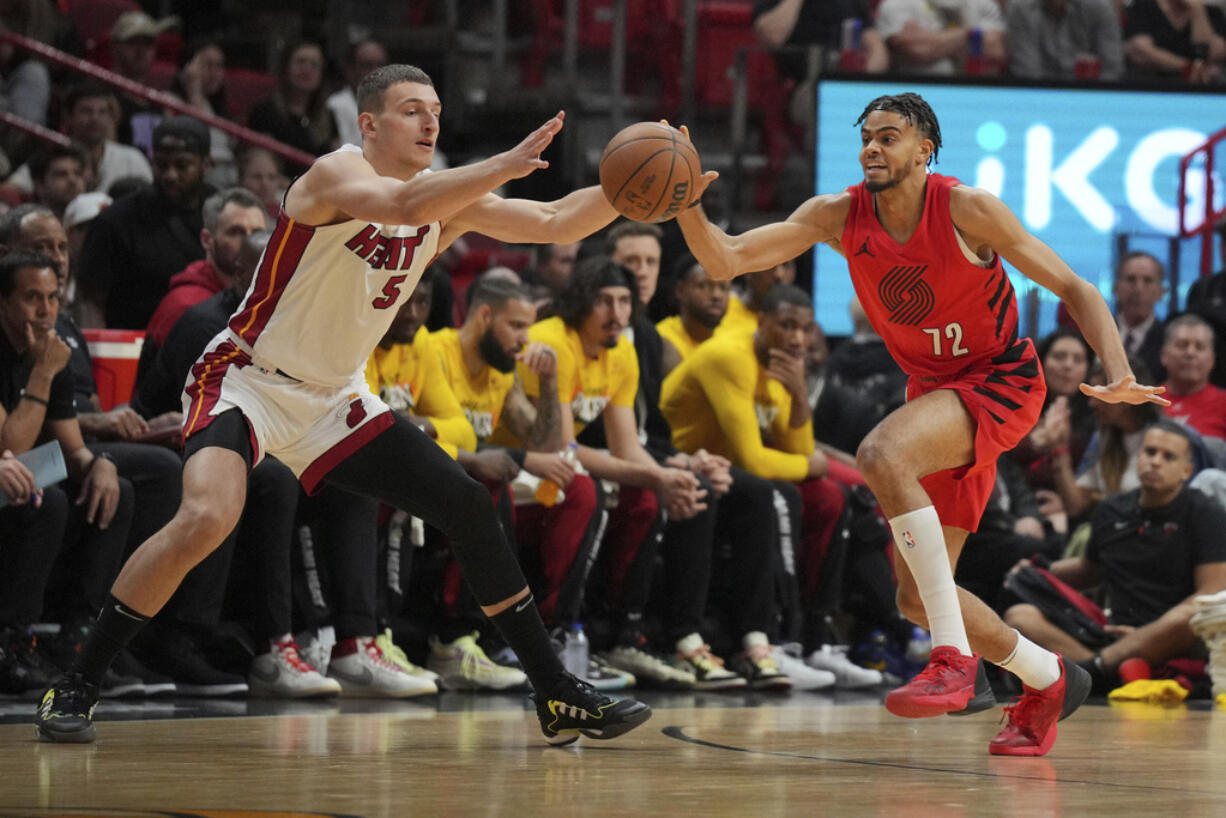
[115,354]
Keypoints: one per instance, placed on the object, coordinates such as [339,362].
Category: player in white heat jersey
[285,378]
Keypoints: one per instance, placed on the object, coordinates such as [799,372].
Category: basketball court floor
[700,754]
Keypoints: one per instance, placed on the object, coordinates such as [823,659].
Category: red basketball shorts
[1005,397]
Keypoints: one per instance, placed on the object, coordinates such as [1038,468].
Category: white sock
[921,544]
[1037,667]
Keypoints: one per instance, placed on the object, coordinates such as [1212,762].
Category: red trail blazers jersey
[939,313]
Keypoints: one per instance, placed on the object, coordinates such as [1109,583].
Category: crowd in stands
[672,456]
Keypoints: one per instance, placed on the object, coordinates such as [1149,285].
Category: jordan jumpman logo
[864,251]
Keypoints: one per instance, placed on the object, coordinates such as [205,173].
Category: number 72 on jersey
[952,332]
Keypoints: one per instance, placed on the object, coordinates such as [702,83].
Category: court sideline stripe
[676,732]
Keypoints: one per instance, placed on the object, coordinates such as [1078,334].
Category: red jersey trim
[329,460]
[205,388]
[276,269]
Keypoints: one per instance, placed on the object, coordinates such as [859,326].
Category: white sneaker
[393,654]
[787,658]
[648,669]
[363,670]
[463,665]
[847,674]
[281,673]
[315,649]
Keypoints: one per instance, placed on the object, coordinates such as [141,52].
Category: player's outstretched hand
[704,181]
[1126,390]
[526,156]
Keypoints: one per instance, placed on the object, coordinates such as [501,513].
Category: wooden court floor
[701,754]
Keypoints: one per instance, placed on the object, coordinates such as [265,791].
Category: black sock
[117,624]
[520,624]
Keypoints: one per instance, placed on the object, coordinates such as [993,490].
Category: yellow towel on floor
[1157,691]
[1221,700]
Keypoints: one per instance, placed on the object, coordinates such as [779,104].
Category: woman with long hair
[295,113]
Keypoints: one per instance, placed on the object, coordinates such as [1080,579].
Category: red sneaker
[1031,730]
[946,684]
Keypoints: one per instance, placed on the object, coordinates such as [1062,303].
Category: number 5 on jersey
[391,292]
[953,332]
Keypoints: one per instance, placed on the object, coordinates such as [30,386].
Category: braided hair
[915,110]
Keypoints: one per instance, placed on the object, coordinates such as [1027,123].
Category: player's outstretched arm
[575,216]
[986,222]
[819,220]
[345,185]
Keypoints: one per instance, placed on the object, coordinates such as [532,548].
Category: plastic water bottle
[574,651]
[547,491]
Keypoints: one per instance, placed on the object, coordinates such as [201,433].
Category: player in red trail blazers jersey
[924,252]
[286,378]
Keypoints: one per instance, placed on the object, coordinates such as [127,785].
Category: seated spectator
[1176,40]
[25,83]
[200,82]
[548,273]
[296,113]
[863,364]
[934,39]
[138,243]
[744,396]
[597,367]
[788,27]
[36,403]
[842,416]
[1207,298]
[59,174]
[1188,357]
[1065,39]
[152,470]
[1067,420]
[702,303]
[227,217]
[133,46]
[89,117]
[1139,286]
[364,56]
[1109,464]
[261,171]
[1152,549]
[746,301]
[78,216]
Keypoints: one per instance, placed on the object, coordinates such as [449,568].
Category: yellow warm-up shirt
[585,384]
[739,319]
[721,399]
[673,331]
[409,378]
[481,396]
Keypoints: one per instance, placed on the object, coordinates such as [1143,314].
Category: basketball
[648,171]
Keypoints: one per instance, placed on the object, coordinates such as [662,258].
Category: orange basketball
[648,171]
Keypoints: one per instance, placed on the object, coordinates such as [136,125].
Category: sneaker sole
[260,692]
[721,685]
[776,685]
[984,698]
[86,736]
[210,691]
[127,691]
[354,692]
[911,707]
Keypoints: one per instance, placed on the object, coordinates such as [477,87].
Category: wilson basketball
[648,171]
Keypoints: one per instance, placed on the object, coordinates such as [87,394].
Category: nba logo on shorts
[908,540]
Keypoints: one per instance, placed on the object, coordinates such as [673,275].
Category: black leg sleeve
[406,469]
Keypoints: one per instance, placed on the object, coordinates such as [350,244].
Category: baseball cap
[181,133]
[133,24]
[84,208]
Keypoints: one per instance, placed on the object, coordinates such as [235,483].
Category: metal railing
[148,94]
[1211,216]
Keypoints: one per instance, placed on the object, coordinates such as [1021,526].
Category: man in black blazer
[1139,286]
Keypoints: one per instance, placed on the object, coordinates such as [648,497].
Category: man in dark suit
[1139,286]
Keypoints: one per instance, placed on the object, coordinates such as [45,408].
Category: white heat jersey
[323,297]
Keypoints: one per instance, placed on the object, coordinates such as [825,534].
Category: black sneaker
[574,707]
[155,684]
[67,711]
[984,698]
[23,669]
[178,657]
